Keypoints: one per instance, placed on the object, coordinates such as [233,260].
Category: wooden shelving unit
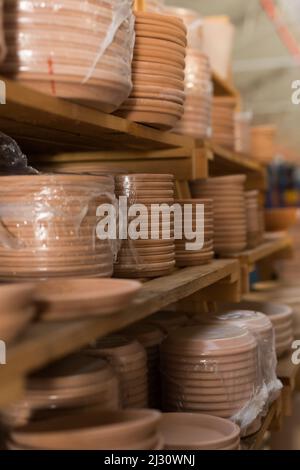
[256,441]
[43,343]
[51,130]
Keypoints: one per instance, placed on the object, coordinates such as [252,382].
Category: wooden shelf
[265,250]
[224,87]
[223,157]
[43,343]
[44,124]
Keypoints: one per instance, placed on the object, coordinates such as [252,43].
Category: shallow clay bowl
[14,297]
[89,431]
[80,295]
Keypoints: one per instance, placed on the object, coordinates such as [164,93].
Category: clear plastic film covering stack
[79,50]
[214,369]
[242,127]
[149,250]
[262,329]
[156,6]
[48,226]
[66,387]
[196,120]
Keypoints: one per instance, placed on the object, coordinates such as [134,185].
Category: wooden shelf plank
[41,123]
[232,160]
[43,343]
[223,87]
[266,249]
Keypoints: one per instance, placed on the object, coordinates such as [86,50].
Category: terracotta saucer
[90,431]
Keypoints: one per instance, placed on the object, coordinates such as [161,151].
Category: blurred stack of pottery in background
[153,254]
[218,44]
[66,387]
[255,219]
[243,132]
[128,359]
[198,218]
[58,51]
[150,337]
[263,143]
[230,221]
[157,97]
[196,120]
[223,121]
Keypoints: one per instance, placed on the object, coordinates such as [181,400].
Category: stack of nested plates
[17,310]
[197,220]
[84,298]
[168,321]
[263,143]
[223,121]
[150,338]
[129,360]
[194,24]
[105,430]
[80,51]
[195,431]
[67,386]
[282,318]
[196,120]
[49,226]
[255,231]
[230,226]
[261,327]
[149,250]
[242,127]
[91,167]
[157,71]
[212,368]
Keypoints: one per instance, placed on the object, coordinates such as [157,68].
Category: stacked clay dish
[200,221]
[129,360]
[255,232]
[213,369]
[230,223]
[150,251]
[105,430]
[223,121]
[68,386]
[157,96]
[79,50]
[49,225]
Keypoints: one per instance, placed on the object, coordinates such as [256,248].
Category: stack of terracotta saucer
[49,226]
[230,224]
[196,120]
[263,143]
[168,321]
[150,252]
[17,310]
[80,51]
[261,327]
[194,24]
[129,360]
[282,319]
[212,368]
[106,430]
[84,298]
[150,338]
[67,386]
[223,121]
[195,431]
[242,127]
[255,231]
[157,71]
[197,222]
